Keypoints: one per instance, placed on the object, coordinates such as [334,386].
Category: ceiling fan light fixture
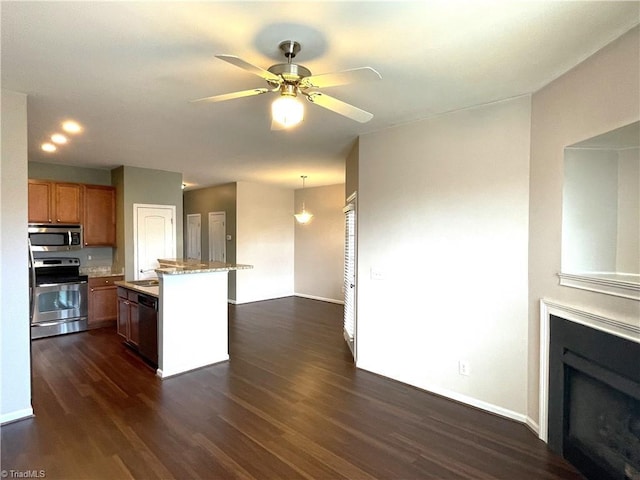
[295,80]
[287,110]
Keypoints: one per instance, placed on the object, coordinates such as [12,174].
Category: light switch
[377,274]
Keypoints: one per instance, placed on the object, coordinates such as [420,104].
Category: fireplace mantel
[583,317]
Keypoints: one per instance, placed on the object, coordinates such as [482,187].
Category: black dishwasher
[148,325]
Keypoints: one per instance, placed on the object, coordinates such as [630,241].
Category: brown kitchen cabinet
[67,202]
[40,195]
[128,315]
[103,301]
[99,216]
[123,315]
[54,202]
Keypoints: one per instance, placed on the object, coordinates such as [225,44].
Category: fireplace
[594,400]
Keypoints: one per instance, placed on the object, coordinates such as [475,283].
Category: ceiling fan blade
[238,62]
[338,106]
[325,80]
[231,96]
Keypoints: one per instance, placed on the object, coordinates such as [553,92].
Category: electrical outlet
[464,368]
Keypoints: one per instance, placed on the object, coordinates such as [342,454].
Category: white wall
[628,240]
[590,210]
[597,96]
[15,354]
[319,245]
[443,216]
[264,239]
[601,211]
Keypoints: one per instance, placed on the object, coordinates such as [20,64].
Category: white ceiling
[127,70]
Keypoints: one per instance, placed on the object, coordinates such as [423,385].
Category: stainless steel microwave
[55,238]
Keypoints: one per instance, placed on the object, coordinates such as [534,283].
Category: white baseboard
[482,405]
[322,299]
[533,425]
[302,295]
[458,397]
[164,375]
[15,416]
[254,300]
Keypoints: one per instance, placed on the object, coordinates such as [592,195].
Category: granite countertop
[179,266]
[153,291]
[108,271]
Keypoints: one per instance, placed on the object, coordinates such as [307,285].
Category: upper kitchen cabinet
[93,206]
[99,216]
[40,193]
[68,202]
[53,202]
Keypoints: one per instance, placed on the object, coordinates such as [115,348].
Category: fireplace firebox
[594,400]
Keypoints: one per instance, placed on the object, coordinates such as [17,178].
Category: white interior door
[217,237]
[155,237]
[350,255]
[194,241]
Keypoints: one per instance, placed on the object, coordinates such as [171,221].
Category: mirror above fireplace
[601,214]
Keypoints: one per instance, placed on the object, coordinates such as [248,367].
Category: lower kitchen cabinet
[103,301]
[128,315]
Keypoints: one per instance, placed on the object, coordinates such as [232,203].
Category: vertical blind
[350,275]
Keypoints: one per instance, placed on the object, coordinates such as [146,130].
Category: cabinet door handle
[92,290]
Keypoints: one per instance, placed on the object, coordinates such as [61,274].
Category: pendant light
[303,217]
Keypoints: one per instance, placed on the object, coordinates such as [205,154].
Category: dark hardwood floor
[289,404]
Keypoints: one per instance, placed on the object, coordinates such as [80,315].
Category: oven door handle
[56,322]
[63,283]
[32,286]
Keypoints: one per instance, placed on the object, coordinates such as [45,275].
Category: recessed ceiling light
[48,147]
[58,138]
[71,127]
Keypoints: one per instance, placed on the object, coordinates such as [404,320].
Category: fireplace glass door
[603,428]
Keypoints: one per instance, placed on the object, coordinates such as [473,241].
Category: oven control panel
[56,262]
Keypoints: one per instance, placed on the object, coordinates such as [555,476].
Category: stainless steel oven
[58,297]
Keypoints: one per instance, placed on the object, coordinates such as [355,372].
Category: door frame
[137,206]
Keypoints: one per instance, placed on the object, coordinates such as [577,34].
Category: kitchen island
[193,314]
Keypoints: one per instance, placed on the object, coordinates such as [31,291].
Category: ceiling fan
[291,80]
